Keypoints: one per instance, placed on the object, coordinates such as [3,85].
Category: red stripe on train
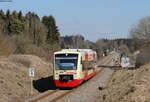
[73,83]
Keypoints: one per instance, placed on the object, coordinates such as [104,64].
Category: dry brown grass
[15,84]
[128,86]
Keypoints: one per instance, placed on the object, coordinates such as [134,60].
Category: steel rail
[43,95]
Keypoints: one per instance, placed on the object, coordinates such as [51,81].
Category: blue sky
[93,19]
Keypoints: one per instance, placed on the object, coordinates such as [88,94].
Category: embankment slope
[128,86]
[15,84]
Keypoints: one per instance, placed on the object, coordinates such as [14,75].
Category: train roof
[78,50]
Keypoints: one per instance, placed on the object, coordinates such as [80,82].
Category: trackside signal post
[31,73]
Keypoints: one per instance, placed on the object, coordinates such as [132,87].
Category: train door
[86,66]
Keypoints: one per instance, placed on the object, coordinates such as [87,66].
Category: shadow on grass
[112,67]
[117,67]
[44,84]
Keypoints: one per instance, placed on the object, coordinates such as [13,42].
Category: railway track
[55,95]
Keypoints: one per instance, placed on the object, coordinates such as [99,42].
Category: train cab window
[66,61]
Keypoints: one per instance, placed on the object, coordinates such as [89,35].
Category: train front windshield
[66,61]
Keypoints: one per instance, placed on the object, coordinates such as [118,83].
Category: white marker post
[31,72]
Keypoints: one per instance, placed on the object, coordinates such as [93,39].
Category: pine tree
[20,16]
[8,14]
[53,32]
[2,21]
[15,25]
[2,15]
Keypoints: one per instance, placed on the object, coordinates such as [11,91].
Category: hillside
[14,81]
[128,86]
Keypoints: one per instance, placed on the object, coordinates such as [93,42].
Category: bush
[22,43]
[143,57]
[6,47]
[125,50]
[35,50]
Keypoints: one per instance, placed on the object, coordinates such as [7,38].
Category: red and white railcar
[73,66]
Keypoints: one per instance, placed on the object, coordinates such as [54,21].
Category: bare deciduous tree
[142,29]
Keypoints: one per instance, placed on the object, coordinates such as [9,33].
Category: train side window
[90,65]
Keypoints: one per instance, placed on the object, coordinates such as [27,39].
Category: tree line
[30,34]
[39,30]
[29,31]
